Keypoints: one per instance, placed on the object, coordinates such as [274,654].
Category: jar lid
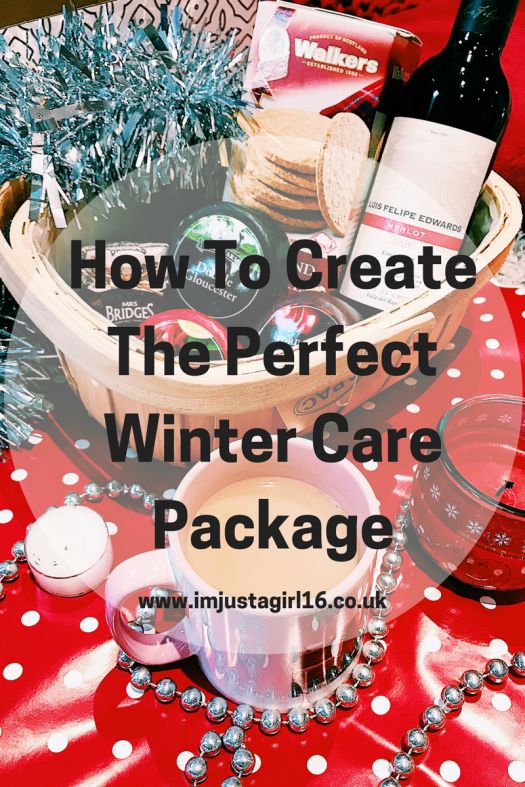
[303,315]
[179,326]
[254,234]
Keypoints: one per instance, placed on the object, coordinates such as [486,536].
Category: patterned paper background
[215,15]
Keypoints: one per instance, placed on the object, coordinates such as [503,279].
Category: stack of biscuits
[302,169]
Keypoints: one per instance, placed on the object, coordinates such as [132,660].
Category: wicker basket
[89,355]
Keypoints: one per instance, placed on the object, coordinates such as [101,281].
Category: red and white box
[304,58]
[327,62]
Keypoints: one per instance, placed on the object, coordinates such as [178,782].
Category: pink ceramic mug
[252,655]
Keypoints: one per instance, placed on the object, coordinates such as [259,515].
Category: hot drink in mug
[251,616]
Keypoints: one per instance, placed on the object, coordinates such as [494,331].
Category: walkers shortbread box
[322,85]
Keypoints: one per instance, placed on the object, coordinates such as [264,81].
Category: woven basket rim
[79,332]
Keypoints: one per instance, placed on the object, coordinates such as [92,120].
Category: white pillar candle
[69,550]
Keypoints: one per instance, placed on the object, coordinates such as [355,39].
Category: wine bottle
[440,148]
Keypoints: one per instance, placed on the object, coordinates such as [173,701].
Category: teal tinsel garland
[102,104]
[26,360]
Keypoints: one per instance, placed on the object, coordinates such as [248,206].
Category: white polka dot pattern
[70,478]
[501,702]
[381,768]
[57,742]
[13,671]
[183,758]
[316,764]
[450,771]
[19,475]
[133,693]
[88,625]
[122,749]
[516,771]
[380,705]
[488,602]
[30,618]
[498,647]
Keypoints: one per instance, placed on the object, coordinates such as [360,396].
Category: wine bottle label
[424,194]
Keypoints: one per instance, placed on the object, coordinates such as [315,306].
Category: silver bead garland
[298,719]
[216,709]
[211,744]
[93,493]
[270,721]
[243,716]
[166,690]
[9,570]
[414,742]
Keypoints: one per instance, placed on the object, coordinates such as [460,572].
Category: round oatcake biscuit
[290,220]
[278,177]
[244,159]
[339,169]
[247,183]
[291,138]
[289,181]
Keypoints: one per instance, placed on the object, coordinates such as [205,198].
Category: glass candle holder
[468,507]
[69,550]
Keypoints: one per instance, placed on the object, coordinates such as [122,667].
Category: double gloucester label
[424,193]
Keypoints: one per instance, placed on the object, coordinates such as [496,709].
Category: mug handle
[145,570]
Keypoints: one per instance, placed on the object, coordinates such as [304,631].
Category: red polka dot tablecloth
[68,717]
